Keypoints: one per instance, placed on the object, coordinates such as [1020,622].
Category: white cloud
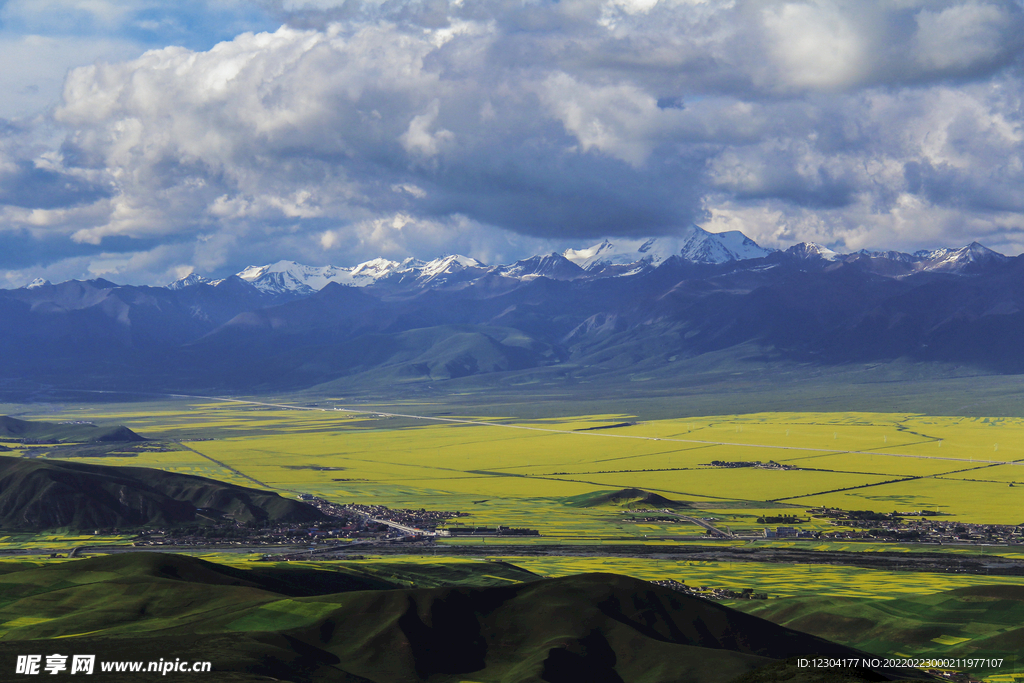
[408,128]
[817,45]
[960,36]
[418,137]
[620,120]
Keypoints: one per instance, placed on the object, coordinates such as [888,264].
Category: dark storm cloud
[19,249]
[30,187]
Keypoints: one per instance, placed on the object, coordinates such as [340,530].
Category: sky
[143,140]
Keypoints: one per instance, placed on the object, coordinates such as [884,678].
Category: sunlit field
[777,580]
[549,474]
[520,472]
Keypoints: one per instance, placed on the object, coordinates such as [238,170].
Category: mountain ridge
[619,258]
[37,494]
[454,317]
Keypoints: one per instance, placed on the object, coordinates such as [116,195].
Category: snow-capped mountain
[608,258]
[454,317]
[369,272]
[900,264]
[291,277]
[554,266]
[810,250]
[188,281]
[695,245]
[701,246]
[957,259]
[441,269]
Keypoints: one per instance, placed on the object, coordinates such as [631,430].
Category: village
[378,523]
[351,521]
[710,593]
[920,526]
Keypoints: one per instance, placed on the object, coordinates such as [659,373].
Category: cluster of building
[426,520]
[770,465]
[280,534]
[710,593]
[787,532]
[347,521]
[650,518]
[920,526]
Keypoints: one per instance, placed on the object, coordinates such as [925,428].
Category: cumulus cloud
[396,127]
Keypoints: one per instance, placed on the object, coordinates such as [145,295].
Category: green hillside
[52,432]
[979,621]
[334,624]
[626,498]
[40,494]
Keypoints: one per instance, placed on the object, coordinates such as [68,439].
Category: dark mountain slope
[201,339]
[81,331]
[37,495]
[35,431]
[594,627]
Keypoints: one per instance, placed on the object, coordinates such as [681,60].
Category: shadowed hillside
[598,628]
[627,498]
[978,621]
[13,428]
[39,494]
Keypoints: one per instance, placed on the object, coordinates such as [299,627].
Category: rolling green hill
[39,494]
[300,624]
[626,498]
[51,432]
[979,621]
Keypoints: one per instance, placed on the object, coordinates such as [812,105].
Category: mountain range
[606,259]
[625,308]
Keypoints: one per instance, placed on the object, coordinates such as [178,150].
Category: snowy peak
[701,246]
[288,276]
[587,258]
[695,245]
[623,252]
[442,269]
[188,281]
[374,269]
[812,251]
[37,283]
[957,259]
[554,266]
[890,255]
[608,258]
[291,277]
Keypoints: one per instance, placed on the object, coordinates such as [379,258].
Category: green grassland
[970,621]
[330,623]
[60,599]
[778,580]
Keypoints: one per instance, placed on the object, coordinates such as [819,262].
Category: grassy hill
[39,494]
[626,498]
[979,621]
[301,624]
[51,432]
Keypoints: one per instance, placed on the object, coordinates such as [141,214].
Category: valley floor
[688,499]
